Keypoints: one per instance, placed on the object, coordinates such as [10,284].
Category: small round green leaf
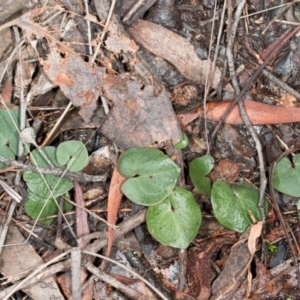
[198,169]
[234,204]
[73,154]
[152,175]
[183,143]
[6,152]
[38,160]
[287,176]
[176,220]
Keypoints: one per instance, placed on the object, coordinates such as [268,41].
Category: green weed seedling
[43,190]
[272,248]
[233,205]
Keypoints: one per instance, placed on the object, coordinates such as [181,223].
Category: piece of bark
[176,50]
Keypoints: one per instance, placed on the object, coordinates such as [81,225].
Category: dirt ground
[149,149]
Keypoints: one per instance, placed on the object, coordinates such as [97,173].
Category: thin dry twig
[80,177]
[58,122]
[113,282]
[281,84]
[112,6]
[210,74]
[87,13]
[128,270]
[263,179]
[124,227]
[269,9]
[91,213]
[75,271]
[279,13]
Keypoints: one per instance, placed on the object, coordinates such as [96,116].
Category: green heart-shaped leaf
[152,175]
[176,220]
[198,169]
[9,124]
[233,205]
[73,154]
[37,185]
[6,152]
[287,176]
[37,159]
[37,207]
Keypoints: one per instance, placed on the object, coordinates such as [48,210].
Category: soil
[140,76]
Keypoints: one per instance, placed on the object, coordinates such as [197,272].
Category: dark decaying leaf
[138,118]
[140,115]
[20,257]
[79,82]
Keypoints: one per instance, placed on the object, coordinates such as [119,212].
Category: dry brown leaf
[255,232]
[78,81]
[138,118]
[176,50]
[258,113]
[235,270]
[114,199]
[283,284]
[20,257]
[275,48]
[125,280]
[116,43]
[226,170]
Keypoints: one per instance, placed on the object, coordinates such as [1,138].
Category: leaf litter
[141,113]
